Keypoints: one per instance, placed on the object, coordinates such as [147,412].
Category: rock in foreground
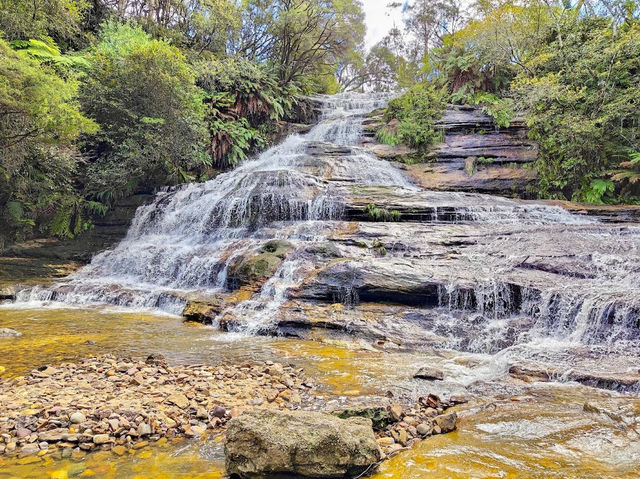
[123,404]
[300,443]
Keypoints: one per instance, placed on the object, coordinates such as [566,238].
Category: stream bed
[508,429]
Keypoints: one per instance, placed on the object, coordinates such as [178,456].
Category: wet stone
[9,333]
[429,373]
[446,422]
[102,406]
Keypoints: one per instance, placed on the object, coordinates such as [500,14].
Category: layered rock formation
[474,156]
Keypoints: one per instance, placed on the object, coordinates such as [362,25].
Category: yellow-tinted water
[544,434]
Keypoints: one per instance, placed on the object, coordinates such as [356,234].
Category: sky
[379,20]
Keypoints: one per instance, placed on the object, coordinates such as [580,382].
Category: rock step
[529,293]
[629,381]
[474,155]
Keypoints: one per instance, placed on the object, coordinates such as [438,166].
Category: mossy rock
[278,248]
[247,271]
[326,250]
[254,268]
[203,311]
[380,417]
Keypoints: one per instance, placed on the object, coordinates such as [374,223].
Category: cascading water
[499,285]
[184,240]
[472,285]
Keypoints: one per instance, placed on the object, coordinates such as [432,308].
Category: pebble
[101,438]
[403,437]
[409,426]
[219,412]
[119,450]
[179,400]
[386,441]
[117,403]
[395,410]
[77,418]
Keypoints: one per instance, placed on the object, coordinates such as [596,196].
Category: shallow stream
[478,284]
[509,429]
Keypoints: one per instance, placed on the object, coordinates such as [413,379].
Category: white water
[185,240]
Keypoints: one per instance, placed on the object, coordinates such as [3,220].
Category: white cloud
[379,20]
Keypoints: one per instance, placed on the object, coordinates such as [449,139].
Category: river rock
[77,418]
[395,412]
[446,422]
[101,439]
[9,333]
[53,435]
[300,443]
[429,373]
[204,310]
[423,429]
[179,400]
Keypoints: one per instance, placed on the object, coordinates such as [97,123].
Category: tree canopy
[571,69]
[103,98]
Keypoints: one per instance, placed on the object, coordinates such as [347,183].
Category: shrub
[39,121]
[244,103]
[411,117]
[142,93]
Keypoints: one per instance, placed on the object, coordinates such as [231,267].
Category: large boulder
[299,443]
[254,268]
[204,310]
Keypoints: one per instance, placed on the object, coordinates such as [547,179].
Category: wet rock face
[302,444]
[256,267]
[619,381]
[204,311]
[474,156]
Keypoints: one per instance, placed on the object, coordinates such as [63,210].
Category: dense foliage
[101,99]
[39,120]
[143,94]
[411,117]
[572,70]
[244,103]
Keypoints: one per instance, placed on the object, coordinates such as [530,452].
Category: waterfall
[185,239]
[490,294]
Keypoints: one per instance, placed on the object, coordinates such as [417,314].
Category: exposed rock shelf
[361,250]
[475,155]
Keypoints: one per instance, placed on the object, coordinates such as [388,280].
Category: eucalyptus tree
[428,21]
[301,37]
